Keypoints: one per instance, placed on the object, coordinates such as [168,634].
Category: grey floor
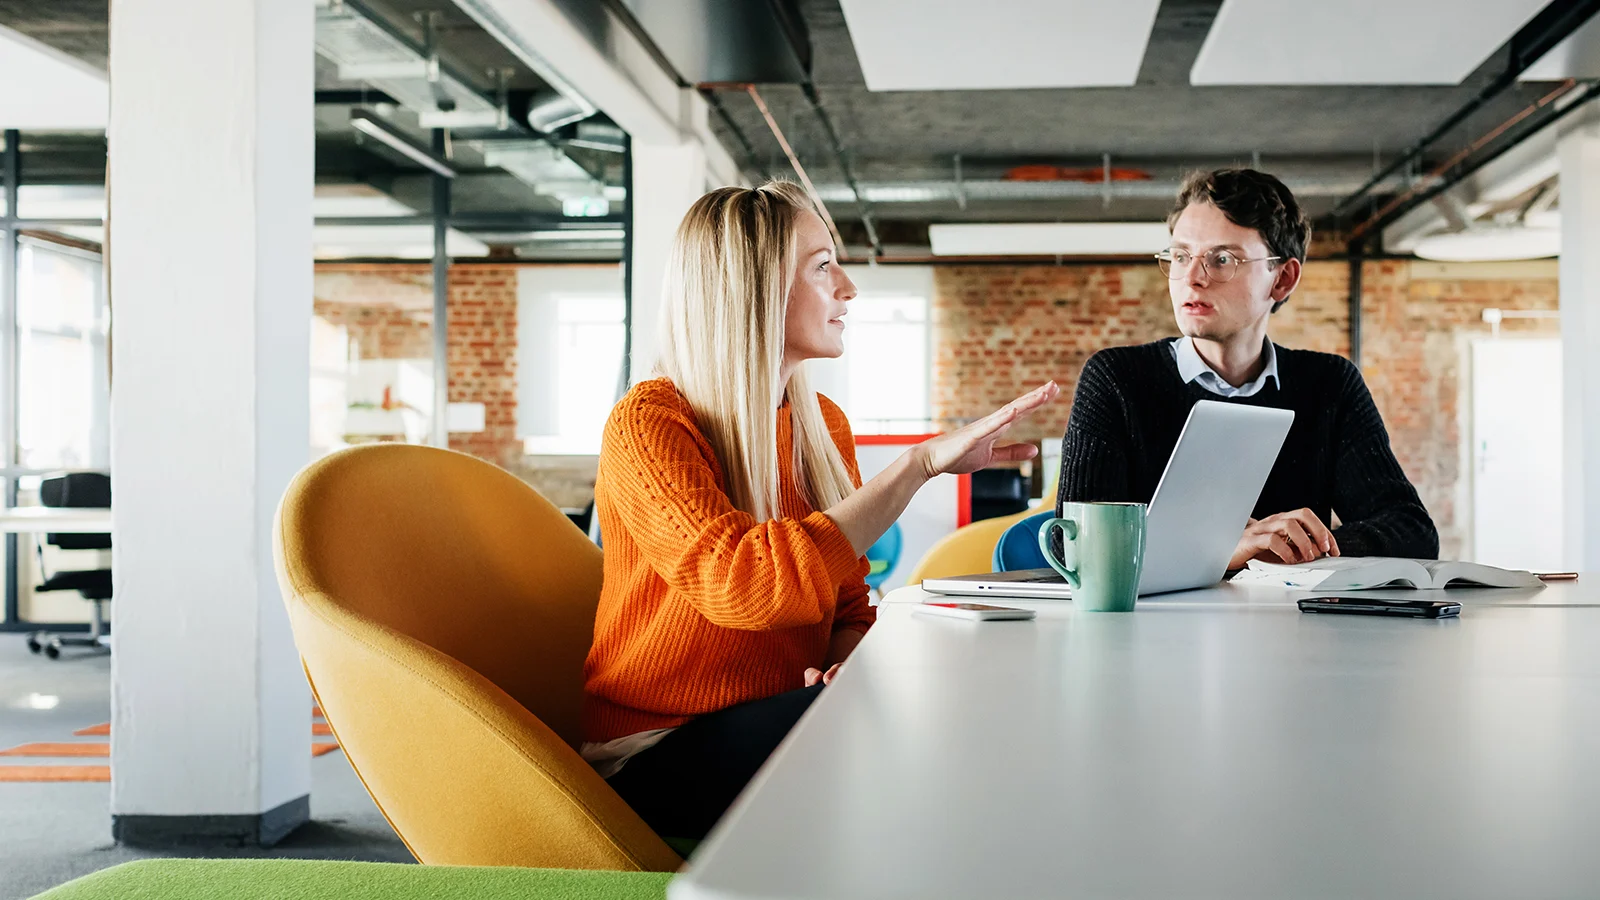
[52,833]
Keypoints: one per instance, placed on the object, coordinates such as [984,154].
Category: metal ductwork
[549,110]
[367,50]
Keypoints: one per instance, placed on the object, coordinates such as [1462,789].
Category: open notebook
[1354,573]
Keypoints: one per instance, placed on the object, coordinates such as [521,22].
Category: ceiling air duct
[366,50]
[549,110]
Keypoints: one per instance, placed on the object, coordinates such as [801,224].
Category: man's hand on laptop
[1291,537]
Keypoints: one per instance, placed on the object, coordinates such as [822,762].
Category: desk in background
[40,520]
[1216,743]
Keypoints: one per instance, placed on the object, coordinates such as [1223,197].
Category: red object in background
[388,402]
[1065,173]
[963,482]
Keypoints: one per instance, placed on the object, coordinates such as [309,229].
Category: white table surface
[55,519]
[1213,744]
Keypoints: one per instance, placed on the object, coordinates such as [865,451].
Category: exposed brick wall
[381,332]
[999,330]
[387,309]
[483,358]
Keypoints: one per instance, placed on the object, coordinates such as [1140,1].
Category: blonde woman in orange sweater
[734,517]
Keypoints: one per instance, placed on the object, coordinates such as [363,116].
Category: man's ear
[1288,279]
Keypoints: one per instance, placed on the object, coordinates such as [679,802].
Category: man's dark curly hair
[1250,199]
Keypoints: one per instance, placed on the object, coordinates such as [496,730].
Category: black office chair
[998,492]
[81,490]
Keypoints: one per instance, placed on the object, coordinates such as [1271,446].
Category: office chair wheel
[33,644]
[53,651]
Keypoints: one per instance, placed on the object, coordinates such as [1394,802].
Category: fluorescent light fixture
[579,234]
[1050,239]
[332,201]
[369,124]
[391,241]
[1491,245]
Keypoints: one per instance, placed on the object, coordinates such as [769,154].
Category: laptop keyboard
[1040,579]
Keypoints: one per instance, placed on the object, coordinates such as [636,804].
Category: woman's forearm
[842,644]
[867,513]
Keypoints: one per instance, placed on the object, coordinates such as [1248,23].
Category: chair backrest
[443,610]
[884,555]
[1018,547]
[77,490]
[969,550]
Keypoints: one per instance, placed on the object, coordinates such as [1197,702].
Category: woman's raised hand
[972,447]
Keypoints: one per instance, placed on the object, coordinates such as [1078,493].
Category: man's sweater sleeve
[1379,510]
[1094,451]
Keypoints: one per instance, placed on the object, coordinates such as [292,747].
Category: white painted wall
[667,179]
[1579,152]
[212,291]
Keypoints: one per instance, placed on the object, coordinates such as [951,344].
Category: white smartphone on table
[981,612]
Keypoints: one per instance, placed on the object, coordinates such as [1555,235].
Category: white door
[1516,453]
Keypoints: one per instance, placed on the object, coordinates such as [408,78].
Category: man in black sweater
[1238,243]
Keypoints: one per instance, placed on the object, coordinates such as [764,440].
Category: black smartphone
[1373,606]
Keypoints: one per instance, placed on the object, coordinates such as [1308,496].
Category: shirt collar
[1192,367]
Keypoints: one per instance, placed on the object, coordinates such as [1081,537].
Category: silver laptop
[1201,507]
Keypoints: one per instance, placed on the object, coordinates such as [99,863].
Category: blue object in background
[1018,548]
[883,556]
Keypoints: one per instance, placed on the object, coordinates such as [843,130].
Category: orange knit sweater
[703,607]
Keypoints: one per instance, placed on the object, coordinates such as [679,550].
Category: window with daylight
[886,364]
[565,406]
[64,387]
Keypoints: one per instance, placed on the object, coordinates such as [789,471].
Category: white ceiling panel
[46,89]
[1340,42]
[958,45]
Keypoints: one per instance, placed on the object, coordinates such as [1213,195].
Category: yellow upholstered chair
[969,550]
[443,610]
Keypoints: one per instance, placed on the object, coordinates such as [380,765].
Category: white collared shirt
[1191,367]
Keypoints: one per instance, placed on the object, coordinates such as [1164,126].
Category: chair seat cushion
[91,582]
[302,879]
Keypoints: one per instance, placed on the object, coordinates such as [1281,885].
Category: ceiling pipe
[1547,29]
[799,170]
[1459,167]
[810,91]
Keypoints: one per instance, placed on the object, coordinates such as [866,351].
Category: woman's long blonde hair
[722,339]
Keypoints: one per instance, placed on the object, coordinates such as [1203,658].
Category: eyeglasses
[1219,265]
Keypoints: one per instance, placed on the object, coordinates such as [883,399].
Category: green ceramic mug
[1103,546]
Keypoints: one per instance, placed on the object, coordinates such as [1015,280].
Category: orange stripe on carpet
[321,749]
[321,729]
[316,712]
[78,749]
[100,730]
[55,773]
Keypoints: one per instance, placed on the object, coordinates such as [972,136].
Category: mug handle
[1068,567]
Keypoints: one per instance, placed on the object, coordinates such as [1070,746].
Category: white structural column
[667,179]
[211,181]
[1580,343]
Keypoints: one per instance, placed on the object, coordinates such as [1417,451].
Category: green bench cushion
[300,879]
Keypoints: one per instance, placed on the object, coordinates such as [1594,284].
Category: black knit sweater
[1131,404]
